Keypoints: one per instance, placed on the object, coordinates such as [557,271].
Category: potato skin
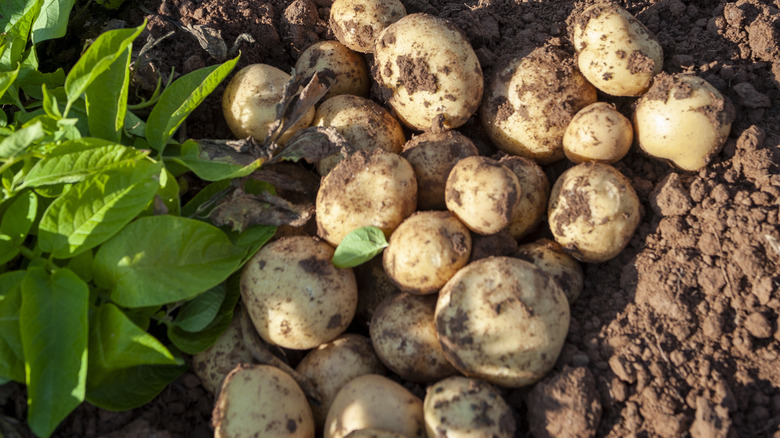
[426,250]
[535,190]
[531,123]
[345,69]
[294,295]
[428,71]
[598,132]
[593,211]
[503,320]
[551,258]
[261,400]
[357,23]
[433,155]
[216,362]
[373,188]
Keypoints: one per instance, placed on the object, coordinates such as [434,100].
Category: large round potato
[593,211]
[261,400]
[503,320]
[294,295]
[375,188]
[362,122]
[249,102]
[356,23]
[426,250]
[345,70]
[429,71]
[530,102]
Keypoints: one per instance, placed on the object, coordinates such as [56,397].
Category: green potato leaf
[211,168]
[52,21]
[196,314]
[163,259]
[107,99]
[128,388]
[18,219]
[20,17]
[7,78]
[54,330]
[8,248]
[11,354]
[20,140]
[202,203]
[359,246]
[180,99]
[96,208]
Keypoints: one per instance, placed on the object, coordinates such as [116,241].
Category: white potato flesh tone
[551,258]
[356,23]
[345,70]
[598,133]
[535,189]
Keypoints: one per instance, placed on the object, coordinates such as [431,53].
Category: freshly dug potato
[374,188]
[404,337]
[615,51]
[249,102]
[294,295]
[333,364]
[356,23]
[433,155]
[373,287]
[529,103]
[261,400]
[426,250]
[345,70]
[460,407]
[429,72]
[492,245]
[552,259]
[683,119]
[598,133]
[213,364]
[375,402]
[482,193]
[503,320]
[593,211]
[373,433]
[362,122]
[532,206]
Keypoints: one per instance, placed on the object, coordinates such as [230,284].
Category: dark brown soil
[678,335]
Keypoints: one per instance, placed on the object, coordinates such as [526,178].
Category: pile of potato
[461,307]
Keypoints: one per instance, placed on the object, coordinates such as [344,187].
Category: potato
[374,188]
[492,245]
[333,364]
[459,407]
[373,287]
[429,72]
[362,122]
[249,102]
[482,193]
[532,205]
[213,364]
[529,103]
[404,337]
[261,400]
[598,133]
[375,402]
[593,211]
[552,259]
[683,119]
[294,295]
[356,23]
[433,155]
[503,320]
[426,250]
[345,70]
[615,52]
[373,433]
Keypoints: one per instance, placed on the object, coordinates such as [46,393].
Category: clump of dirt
[677,335]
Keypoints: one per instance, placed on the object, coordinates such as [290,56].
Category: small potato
[261,400]
[294,295]
[429,71]
[459,407]
[615,51]
[404,338]
[593,211]
[433,155]
[345,70]
[426,250]
[598,133]
[503,320]
[374,188]
[551,258]
[530,102]
[334,364]
[532,206]
[213,364]
[683,119]
[482,193]
[362,122]
[249,102]
[375,402]
[356,23]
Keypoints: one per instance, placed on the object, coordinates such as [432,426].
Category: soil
[679,334]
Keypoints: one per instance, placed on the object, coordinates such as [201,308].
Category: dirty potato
[356,23]
[532,205]
[214,363]
[344,70]
[598,132]
[373,287]
[551,258]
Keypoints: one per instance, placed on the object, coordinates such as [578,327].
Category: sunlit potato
[598,133]
[357,23]
[345,70]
